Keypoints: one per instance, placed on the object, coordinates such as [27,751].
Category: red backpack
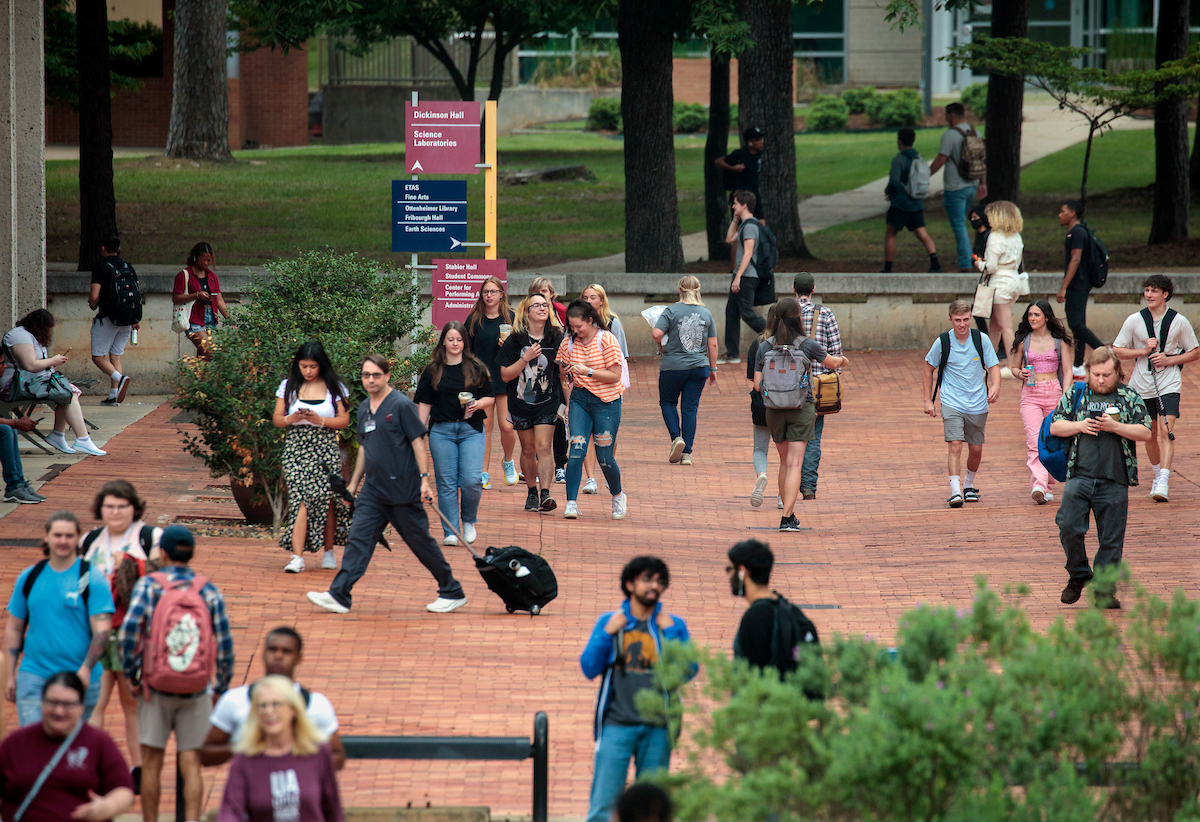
[180,653]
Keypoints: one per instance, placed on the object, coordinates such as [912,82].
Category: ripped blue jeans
[591,418]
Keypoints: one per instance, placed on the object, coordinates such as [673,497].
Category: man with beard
[772,629]
[624,647]
[1101,465]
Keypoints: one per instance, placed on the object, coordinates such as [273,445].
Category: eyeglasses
[538,305]
[61,704]
[372,375]
[492,291]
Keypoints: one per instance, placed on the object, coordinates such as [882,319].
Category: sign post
[429,215]
[441,138]
[456,286]
[489,182]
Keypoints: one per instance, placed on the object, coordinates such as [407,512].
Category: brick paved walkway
[882,539]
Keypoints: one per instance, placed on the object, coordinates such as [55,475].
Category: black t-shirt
[388,435]
[485,344]
[103,274]
[634,672]
[443,400]
[747,179]
[1077,237]
[753,640]
[1101,456]
[537,390]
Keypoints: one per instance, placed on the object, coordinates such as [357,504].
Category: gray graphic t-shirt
[688,329]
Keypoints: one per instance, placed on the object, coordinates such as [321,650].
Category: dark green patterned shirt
[1133,412]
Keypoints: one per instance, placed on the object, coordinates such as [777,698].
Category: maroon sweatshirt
[282,789]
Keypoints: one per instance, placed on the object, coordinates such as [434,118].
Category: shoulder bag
[181,314]
[985,295]
[42,386]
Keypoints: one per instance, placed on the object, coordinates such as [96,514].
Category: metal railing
[400,61]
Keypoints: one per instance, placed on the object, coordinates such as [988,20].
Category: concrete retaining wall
[879,311]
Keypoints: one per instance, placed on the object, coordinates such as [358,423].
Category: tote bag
[984,296]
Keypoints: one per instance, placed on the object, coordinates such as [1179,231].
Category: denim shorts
[29,697]
[193,328]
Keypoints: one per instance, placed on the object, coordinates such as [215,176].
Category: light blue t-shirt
[59,632]
[964,384]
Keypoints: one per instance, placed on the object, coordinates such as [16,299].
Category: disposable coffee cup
[464,398]
[505,330]
[1114,413]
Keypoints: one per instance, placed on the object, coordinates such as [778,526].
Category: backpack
[180,653]
[791,630]
[1094,260]
[130,570]
[827,387]
[123,305]
[84,568]
[1052,450]
[600,347]
[1161,336]
[766,250]
[972,159]
[976,337]
[917,184]
[785,377]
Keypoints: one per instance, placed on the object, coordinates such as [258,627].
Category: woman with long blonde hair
[543,286]
[484,337]
[282,761]
[1002,268]
[688,334]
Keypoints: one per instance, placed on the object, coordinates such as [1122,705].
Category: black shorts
[900,219]
[523,423]
[1170,405]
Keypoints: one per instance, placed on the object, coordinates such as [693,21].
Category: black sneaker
[1071,594]
[111,401]
[547,504]
[789,523]
[531,500]
[122,388]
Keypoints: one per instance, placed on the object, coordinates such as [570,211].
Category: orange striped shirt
[603,353]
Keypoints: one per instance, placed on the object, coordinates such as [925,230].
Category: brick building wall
[691,76]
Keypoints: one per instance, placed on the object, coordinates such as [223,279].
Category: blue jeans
[10,458]
[29,696]
[650,749]
[457,451]
[589,417]
[812,459]
[689,383]
[956,203]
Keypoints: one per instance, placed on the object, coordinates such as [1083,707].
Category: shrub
[900,108]
[690,117]
[856,98]
[353,306]
[604,114]
[733,114]
[974,97]
[827,114]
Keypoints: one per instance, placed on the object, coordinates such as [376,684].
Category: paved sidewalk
[881,540]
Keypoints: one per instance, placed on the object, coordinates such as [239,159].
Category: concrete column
[22,161]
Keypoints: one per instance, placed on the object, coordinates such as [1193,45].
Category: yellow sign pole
[489,181]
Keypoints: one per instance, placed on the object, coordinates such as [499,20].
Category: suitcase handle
[461,539]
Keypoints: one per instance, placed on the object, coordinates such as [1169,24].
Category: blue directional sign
[429,215]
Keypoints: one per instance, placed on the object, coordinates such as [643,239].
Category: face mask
[977,223]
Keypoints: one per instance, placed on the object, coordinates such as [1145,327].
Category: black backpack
[792,629]
[84,589]
[1094,260]
[1161,336]
[977,338]
[766,257]
[145,538]
[123,305]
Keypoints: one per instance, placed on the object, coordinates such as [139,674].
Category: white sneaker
[760,488]
[1038,495]
[325,600]
[295,565]
[676,451]
[441,605]
[1158,491]
[619,506]
[469,532]
[780,503]
[59,442]
[572,510]
[510,472]
[329,561]
[589,487]
[450,540]
[89,447]
[1049,497]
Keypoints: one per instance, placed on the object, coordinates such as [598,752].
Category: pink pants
[1036,402]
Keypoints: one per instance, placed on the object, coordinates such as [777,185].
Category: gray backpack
[785,376]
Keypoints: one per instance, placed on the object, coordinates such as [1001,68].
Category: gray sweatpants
[1109,502]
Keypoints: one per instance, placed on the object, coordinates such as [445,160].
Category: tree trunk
[1170,220]
[199,128]
[652,234]
[766,95]
[1006,98]
[716,208]
[1194,183]
[97,201]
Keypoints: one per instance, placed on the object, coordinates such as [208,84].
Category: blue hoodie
[900,166]
[601,652]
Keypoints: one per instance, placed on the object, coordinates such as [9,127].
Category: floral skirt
[310,453]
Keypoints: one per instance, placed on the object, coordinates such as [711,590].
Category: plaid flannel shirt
[825,333]
[136,626]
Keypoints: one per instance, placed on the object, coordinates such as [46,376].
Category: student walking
[198,284]
[739,305]
[758,419]
[959,189]
[1160,341]
[688,335]
[968,376]
[1041,358]
[1077,284]
[391,478]
[821,326]
[453,396]
[594,368]
[1001,267]
[907,210]
[488,325]
[116,296]
[527,365]
[313,404]
[1101,466]
[624,648]
[783,373]
[598,297]
[772,630]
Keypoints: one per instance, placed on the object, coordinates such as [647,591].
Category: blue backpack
[1052,450]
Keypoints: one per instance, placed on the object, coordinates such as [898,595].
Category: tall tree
[1005,104]
[646,34]
[716,212]
[97,198]
[199,127]
[766,97]
[1194,176]
[1170,218]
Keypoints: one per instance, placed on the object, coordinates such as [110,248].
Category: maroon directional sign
[441,138]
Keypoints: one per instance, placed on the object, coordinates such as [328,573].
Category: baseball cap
[752,133]
[804,283]
[177,542]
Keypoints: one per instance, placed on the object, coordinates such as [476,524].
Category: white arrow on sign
[454,243]
[416,166]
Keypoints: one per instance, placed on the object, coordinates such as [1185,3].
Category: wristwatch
[423,476]
[589,372]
